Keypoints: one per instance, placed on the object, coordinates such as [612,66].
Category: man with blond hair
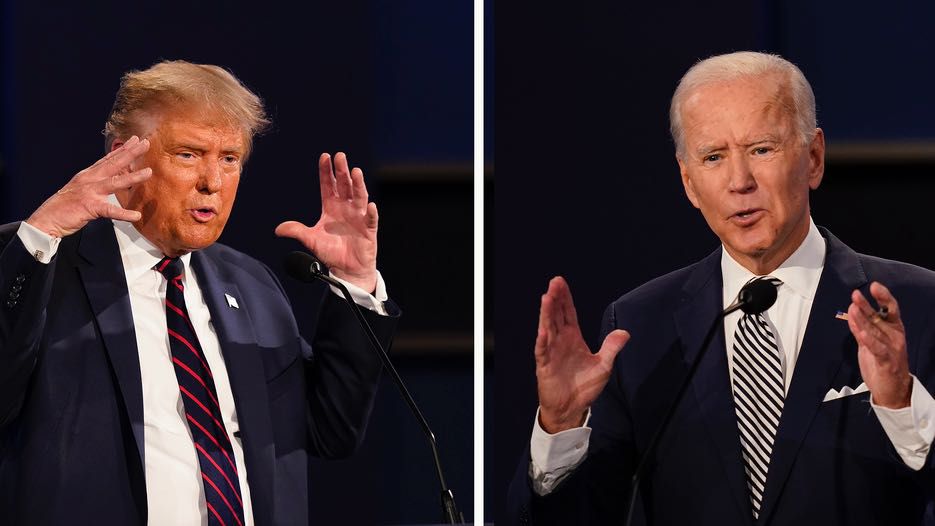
[151,375]
[816,411]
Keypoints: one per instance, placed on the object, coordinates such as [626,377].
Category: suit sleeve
[25,288]
[342,376]
[596,492]
[922,365]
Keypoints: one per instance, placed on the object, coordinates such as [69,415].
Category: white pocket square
[834,394]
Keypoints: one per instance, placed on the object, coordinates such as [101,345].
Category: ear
[816,159]
[687,182]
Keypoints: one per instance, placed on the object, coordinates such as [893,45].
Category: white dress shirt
[174,489]
[911,429]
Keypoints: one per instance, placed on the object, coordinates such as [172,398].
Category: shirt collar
[139,255]
[799,273]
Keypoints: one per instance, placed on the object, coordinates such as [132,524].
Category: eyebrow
[761,139]
[227,150]
[705,149]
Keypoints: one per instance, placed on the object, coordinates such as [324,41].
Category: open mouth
[203,215]
[747,216]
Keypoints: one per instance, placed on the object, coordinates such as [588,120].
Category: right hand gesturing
[84,198]
[569,376]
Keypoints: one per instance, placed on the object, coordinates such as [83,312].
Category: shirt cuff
[373,302]
[555,456]
[42,246]
[910,429]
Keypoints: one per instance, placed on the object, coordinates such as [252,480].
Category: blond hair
[180,83]
[748,64]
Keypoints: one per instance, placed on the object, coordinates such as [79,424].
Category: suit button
[21,278]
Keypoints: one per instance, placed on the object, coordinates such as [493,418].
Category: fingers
[326,177]
[552,316]
[542,343]
[339,181]
[131,142]
[881,337]
[373,217]
[342,177]
[547,312]
[885,299]
[120,159]
[564,301]
[112,211]
[123,181]
[358,188]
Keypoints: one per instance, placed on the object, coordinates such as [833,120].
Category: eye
[185,155]
[761,150]
[712,158]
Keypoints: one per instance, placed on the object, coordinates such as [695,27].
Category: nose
[741,178]
[211,178]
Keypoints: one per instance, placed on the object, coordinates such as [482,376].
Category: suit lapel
[826,343]
[110,302]
[238,343]
[711,384]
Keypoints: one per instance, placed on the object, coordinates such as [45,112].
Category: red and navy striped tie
[196,384]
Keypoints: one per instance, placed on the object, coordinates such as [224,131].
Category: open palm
[345,236]
[569,376]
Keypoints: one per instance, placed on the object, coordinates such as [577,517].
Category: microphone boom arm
[450,511]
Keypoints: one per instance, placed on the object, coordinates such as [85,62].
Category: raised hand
[84,198]
[881,347]
[569,376]
[345,237]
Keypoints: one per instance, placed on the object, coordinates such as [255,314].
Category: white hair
[720,68]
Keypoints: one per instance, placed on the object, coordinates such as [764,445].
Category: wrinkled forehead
[162,119]
[737,104]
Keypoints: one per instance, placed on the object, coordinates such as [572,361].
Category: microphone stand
[450,512]
[654,442]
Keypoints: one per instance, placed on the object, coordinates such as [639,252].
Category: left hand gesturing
[881,347]
[345,237]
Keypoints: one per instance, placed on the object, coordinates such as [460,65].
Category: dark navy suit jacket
[71,403]
[832,463]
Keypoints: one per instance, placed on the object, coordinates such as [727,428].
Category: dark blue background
[388,82]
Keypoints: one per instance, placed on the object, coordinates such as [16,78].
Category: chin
[198,240]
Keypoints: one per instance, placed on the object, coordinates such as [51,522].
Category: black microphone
[305,267]
[755,297]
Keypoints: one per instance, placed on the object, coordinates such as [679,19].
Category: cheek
[230,193]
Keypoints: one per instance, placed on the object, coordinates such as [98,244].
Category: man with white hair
[815,411]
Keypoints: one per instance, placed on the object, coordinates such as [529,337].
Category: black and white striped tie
[758,397]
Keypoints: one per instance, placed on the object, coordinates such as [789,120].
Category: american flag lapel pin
[231,301]
[841,315]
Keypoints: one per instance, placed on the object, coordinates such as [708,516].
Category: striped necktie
[758,397]
[202,411]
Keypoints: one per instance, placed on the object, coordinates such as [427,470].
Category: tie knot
[171,268]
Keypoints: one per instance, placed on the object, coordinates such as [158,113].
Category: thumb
[612,345]
[293,229]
